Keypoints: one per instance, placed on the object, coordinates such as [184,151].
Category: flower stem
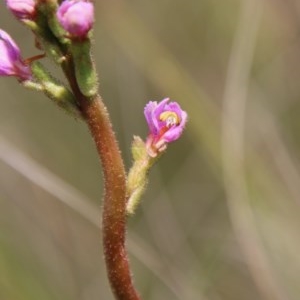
[114,216]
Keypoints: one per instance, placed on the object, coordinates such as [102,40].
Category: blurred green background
[220,219]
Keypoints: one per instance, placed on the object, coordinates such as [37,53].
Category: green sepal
[30,24]
[138,174]
[54,90]
[49,9]
[52,48]
[85,72]
[29,84]
[46,38]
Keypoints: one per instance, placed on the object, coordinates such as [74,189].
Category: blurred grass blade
[234,107]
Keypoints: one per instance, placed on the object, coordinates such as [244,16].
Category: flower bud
[11,62]
[166,122]
[76,17]
[22,9]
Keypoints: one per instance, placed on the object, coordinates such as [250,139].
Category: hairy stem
[114,216]
[114,199]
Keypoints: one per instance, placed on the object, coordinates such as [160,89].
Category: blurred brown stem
[114,216]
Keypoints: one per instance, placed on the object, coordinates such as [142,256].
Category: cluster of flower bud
[76,17]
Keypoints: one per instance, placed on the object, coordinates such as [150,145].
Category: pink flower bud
[11,62]
[166,122]
[76,17]
[22,9]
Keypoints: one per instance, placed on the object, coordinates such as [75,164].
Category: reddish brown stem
[114,216]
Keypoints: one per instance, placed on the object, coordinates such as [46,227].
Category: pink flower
[166,122]
[11,62]
[22,9]
[76,17]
